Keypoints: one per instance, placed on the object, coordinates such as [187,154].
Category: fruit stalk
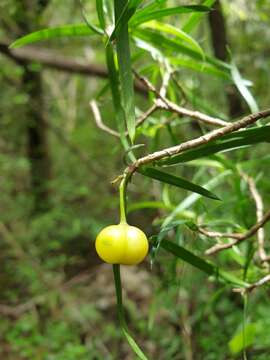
[122,198]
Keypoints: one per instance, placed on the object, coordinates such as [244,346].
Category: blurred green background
[57,299]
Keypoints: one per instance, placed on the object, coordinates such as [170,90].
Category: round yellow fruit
[122,244]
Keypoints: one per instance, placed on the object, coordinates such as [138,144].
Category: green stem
[121,316]
[118,290]
[122,199]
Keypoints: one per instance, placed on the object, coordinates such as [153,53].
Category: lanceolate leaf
[204,68]
[52,33]
[171,46]
[116,97]
[243,89]
[148,205]
[200,263]
[228,142]
[147,14]
[188,202]
[195,18]
[125,70]
[179,34]
[127,12]
[176,181]
[100,12]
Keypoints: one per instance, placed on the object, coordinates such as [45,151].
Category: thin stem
[121,316]
[118,290]
[204,139]
[122,199]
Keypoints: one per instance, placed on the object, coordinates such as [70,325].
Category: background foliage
[57,300]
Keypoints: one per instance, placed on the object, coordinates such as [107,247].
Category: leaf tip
[13,45]
[215,197]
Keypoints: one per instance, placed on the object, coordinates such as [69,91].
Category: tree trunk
[219,42]
[37,144]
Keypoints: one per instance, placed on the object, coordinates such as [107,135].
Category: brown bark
[218,32]
[53,60]
[37,146]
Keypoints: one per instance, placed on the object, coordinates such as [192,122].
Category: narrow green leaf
[125,71]
[100,12]
[179,34]
[199,103]
[205,68]
[52,33]
[188,257]
[176,181]
[226,143]
[243,89]
[148,205]
[115,91]
[254,132]
[172,46]
[127,12]
[88,23]
[195,18]
[201,264]
[192,198]
[134,345]
[147,13]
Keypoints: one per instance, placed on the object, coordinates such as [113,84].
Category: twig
[146,115]
[166,104]
[238,238]
[102,126]
[172,107]
[219,235]
[53,60]
[165,83]
[251,287]
[259,214]
[98,120]
[191,144]
[175,80]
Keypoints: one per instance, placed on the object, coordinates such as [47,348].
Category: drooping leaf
[128,10]
[115,91]
[205,68]
[176,181]
[191,199]
[179,34]
[100,12]
[53,33]
[203,105]
[147,13]
[243,89]
[171,46]
[201,264]
[226,143]
[195,18]
[147,205]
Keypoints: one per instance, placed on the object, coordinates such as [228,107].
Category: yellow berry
[122,244]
